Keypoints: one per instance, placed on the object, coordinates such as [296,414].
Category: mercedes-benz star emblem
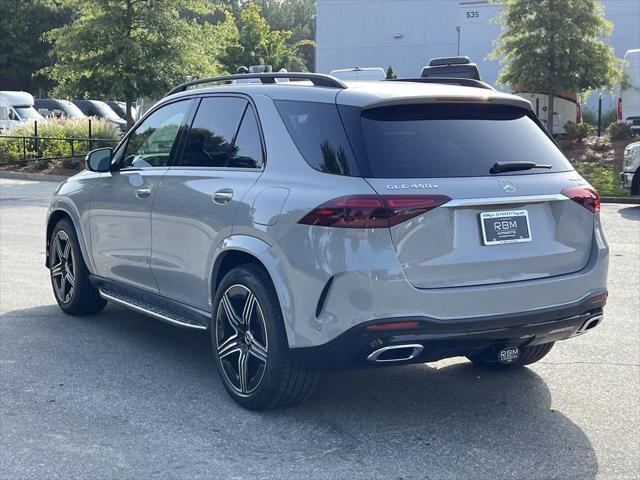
[507,186]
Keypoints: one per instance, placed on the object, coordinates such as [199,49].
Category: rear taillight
[619,109]
[371,211]
[586,196]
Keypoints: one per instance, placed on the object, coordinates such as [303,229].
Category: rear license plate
[505,226]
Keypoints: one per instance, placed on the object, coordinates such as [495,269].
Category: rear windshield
[447,140]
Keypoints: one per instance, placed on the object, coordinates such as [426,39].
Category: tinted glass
[152,142]
[318,133]
[427,141]
[247,149]
[211,135]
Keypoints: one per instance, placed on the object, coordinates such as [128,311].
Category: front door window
[153,142]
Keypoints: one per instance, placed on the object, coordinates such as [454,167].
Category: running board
[147,308]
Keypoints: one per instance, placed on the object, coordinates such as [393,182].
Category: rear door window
[211,136]
[447,140]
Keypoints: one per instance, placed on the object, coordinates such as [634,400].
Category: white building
[407,33]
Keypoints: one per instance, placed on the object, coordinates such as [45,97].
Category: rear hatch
[482,228]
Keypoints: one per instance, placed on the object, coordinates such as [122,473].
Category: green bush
[12,149]
[604,178]
[619,131]
[578,131]
[591,116]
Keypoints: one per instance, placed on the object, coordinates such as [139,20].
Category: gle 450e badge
[417,186]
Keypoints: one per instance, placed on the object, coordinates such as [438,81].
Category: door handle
[223,196]
[143,192]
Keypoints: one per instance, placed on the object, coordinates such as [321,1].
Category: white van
[359,74]
[16,108]
[628,106]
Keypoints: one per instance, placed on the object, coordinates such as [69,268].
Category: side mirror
[99,160]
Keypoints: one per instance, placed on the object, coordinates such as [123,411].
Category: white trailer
[628,106]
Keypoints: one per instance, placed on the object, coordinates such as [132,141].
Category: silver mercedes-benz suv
[310,224]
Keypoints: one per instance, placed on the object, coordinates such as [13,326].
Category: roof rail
[318,79]
[463,82]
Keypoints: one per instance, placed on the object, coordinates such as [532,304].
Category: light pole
[458,30]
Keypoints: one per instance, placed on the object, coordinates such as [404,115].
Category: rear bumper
[443,339]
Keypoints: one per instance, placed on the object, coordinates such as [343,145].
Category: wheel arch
[60,213]
[241,249]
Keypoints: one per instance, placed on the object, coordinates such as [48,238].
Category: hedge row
[11,149]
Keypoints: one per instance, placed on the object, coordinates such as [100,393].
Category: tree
[23,49]
[551,46]
[257,43]
[391,75]
[298,17]
[133,48]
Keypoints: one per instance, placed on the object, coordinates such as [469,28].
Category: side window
[152,142]
[316,129]
[211,135]
[247,149]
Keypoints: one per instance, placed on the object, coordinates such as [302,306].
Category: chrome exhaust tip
[395,353]
[589,324]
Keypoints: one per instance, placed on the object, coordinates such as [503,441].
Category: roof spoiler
[463,82]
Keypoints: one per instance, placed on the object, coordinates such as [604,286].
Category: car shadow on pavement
[149,392]
[630,213]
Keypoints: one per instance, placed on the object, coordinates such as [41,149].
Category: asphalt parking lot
[118,395]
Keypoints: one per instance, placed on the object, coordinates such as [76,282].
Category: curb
[38,177]
[628,200]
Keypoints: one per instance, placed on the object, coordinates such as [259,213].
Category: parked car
[630,175]
[121,109]
[315,225]
[360,74]
[16,109]
[628,106]
[99,109]
[451,67]
[55,108]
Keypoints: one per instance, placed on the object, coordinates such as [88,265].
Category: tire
[635,183]
[258,347]
[69,274]
[528,355]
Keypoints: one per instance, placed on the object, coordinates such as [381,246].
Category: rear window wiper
[500,167]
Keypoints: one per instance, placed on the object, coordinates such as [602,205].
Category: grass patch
[605,178]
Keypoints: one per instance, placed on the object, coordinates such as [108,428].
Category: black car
[96,108]
[451,67]
[53,107]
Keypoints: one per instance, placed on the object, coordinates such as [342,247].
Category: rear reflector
[619,109]
[392,325]
[600,298]
[371,211]
[586,196]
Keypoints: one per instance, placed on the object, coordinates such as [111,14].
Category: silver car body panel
[365,274]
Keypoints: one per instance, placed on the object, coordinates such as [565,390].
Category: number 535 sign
[470,15]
